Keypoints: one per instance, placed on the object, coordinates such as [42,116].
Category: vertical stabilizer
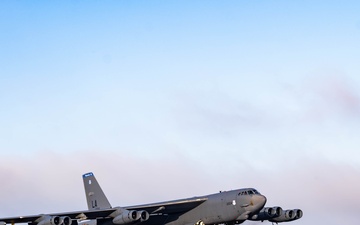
[95,197]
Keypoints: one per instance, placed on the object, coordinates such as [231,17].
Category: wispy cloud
[339,95]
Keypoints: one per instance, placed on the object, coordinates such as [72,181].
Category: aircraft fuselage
[228,206]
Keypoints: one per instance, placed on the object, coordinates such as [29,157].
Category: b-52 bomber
[227,207]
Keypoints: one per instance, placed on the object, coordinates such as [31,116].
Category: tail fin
[95,197]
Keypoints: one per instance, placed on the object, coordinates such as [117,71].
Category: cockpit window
[251,191]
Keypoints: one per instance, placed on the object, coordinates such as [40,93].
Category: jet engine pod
[2,223]
[49,220]
[277,211]
[267,211]
[264,214]
[126,217]
[143,215]
[272,211]
[289,214]
[65,220]
[298,213]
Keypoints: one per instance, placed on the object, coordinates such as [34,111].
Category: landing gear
[200,222]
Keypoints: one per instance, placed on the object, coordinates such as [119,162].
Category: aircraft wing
[171,207]
[19,219]
[73,215]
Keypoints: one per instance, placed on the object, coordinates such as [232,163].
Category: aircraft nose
[259,200]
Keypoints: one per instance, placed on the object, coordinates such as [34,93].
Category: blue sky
[224,94]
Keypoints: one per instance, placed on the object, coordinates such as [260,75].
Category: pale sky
[171,99]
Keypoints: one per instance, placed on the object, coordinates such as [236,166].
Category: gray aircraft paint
[95,196]
[222,207]
[228,207]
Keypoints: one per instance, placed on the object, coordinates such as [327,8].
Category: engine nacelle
[288,215]
[143,215]
[277,211]
[2,223]
[126,216]
[65,220]
[298,213]
[48,220]
[267,213]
